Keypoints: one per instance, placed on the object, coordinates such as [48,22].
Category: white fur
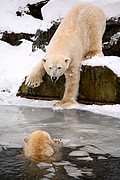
[78,37]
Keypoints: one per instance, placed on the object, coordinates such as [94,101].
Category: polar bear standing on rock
[78,37]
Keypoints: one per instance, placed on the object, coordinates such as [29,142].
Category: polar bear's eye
[50,67]
[59,67]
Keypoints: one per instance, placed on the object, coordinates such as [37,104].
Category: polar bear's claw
[33,82]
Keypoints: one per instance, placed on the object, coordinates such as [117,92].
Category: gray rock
[79,153]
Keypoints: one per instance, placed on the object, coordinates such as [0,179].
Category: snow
[10,22]
[16,62]
[52,11]
[59,8]
[112,62]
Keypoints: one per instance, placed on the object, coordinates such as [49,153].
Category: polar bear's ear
[67,60]
[26,139]
[43,60]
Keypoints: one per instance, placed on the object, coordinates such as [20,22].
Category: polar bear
[40,144]
[78,37]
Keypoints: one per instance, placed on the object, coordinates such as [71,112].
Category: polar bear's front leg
[36,76]
[71,88]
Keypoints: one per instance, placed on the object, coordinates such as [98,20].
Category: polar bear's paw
[66,103]
[57,144]
[33,80]
[91,54]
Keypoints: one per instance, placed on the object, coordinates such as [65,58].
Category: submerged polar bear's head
[40,144]
[56,65]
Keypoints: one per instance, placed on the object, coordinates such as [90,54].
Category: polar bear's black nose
[54,78]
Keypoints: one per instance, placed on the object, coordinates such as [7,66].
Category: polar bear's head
[56,65]
[40,144]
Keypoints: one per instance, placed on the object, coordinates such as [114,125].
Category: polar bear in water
[39,144]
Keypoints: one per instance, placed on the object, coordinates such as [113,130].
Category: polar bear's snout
[54,74]
[54,78]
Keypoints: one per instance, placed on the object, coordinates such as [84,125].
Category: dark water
[13,165]
[91,144]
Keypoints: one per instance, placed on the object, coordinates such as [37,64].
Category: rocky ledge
[98,85]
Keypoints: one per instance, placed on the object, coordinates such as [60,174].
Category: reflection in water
[74,127]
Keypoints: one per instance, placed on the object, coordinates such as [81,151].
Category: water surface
[92,139]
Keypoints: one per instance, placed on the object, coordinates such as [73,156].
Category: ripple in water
[75,163]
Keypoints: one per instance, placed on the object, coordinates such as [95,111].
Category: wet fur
[39,144]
